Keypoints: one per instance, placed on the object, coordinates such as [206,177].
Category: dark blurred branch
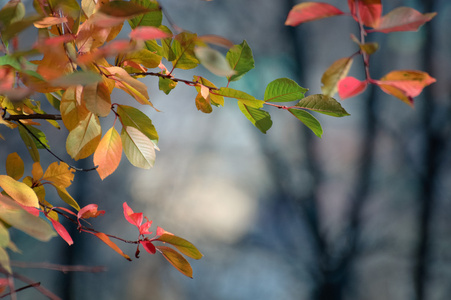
[33,117]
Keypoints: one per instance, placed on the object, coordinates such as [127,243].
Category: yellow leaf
[66,197]
[4,260]
[97,98]
[138,148]
[337,71]
[60,174]
[14,166]
[82,141]
[73,110]
[19,191]
[112,245]
[37,171]
[108,154]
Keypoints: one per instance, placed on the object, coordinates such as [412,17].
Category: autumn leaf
[131,116]
[138,148]
[144,33]
[148,246]
[214,61]
[104,238]
[402,19]
[90,211]
[369,11]
[176,260]
[405,84]
[350,87]
[310,11]
[181,244]
[337,71]
[60,174]
[14,166]
[62,231]
[19,191]
[108,153]
[82,141]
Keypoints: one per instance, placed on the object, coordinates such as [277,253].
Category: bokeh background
[363,213]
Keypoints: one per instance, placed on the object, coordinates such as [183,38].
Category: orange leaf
[337,71]
[112,245]
[37,171]
[90,211]
[60,174]
[350,87]
[62,231]
[49,21]
[176,260]
[310,11]
[402,19]
[370,11]
[14,166]
[108,153]
[405,84]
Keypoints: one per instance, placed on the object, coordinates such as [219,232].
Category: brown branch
[168,76]
[57,267]
[33,117]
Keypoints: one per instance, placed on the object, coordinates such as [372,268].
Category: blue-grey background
[362,213]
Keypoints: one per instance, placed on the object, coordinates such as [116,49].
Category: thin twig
[57,267]
[48,150]
[33,117]
[21,289]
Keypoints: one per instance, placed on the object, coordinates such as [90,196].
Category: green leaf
[14,215]
[122,9]
[182,245]
[323,104]
[145,57]
[245,98]
[41,137]
[12,12]
[152,17]
[203,104]
[166,85]
[214,61]
[283,90]
[138,148]
[4,236]
[133,117]
[29,143]
[77,78]
[183,48]
[241,60]
[308,120]
[4,260]
[260,118]
[176,260]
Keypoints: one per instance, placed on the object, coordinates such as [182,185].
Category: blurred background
[362,213]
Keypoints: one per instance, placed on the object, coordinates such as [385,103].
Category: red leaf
[145,33]
[62,231]
[405,84]
[90,211]
[402,19]
[132,217]
[144,228]
[310,11]
[148,246]
[112,245]
[350,87]
[370,11]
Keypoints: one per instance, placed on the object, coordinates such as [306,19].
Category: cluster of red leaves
[403,84]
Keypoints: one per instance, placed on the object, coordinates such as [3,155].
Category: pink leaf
[350,87]
[144,228]
[310,11]
[62,231]
[148,246]
[132,217]
[89,211]
[370,11]
[402,19]
[148,33]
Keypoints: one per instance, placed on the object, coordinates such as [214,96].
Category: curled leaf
[310,11]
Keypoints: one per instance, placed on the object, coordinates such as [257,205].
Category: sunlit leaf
[102,236]
[82,141]
[122,9]
[131,116]
[19,191]
[308,120]
[176,260]
[90,211]
[13,214]
[323,104]
[144,33]
[108,154]
[148,246]
[182,245]
[62,232]
[49,21]
[215,99]
[97,98]
[144,57]
[337,71]
[369,11]
[73,109]
[260,118]
[350,87]
[77,78]
[14,166]
[37,171]
[203,104]
[403,19]
[245,98]
[283,90]
[138,148]
[166,85]
[310,11]
[214,61]
[66,197]
[241,60]
[183,49]
[60,174]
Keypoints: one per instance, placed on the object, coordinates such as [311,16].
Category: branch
[168,76]
[33,117]
[50,151]
[57,267]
